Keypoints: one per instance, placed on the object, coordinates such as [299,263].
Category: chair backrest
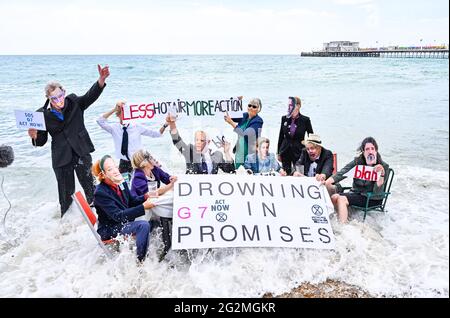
[334,163]
[86,210]
[90,218]
[387,185]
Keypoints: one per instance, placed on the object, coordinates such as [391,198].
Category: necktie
[124,148]
[293,127]
[312,169]
[204,165]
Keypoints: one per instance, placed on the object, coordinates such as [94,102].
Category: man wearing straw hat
[315,160]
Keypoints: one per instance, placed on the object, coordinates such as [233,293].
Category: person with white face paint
[369,156]
[117,208]
[71,144]
[200,159]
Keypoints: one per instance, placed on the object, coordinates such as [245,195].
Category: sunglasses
[253,106]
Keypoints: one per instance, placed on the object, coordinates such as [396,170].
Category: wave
[403,253]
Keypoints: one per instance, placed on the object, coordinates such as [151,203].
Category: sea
[402,103]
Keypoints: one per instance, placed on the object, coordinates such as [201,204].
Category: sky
[215,27]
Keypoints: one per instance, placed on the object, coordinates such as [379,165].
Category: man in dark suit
[292,130]
[316,160]
[71,144]
[199,158]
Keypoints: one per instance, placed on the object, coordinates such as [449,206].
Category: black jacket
[324,164]
[193,158]
[113,213]
[71,134]
[292,146]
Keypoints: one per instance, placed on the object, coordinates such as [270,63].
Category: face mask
[371,159]
[117,179]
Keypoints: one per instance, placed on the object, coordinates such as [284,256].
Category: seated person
[369,156]
[117,208]
[316,160]
[262,161]
[199,158]
[146,171]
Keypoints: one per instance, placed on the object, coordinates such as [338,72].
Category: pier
[395,53]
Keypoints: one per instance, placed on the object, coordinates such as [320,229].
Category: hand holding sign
[171,118]
[148,204]
[32,133]
[228,119]
[379,169]
[173,179]
[367,173]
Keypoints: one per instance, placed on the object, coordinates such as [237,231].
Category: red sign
[366,173]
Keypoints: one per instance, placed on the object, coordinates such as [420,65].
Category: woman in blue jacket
[248,130]
[117,208]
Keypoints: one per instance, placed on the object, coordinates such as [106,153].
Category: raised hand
[103,73]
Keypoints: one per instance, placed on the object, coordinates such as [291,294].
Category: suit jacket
[194,161]
[71,134]
[113,213]
[292,146]
[324,164]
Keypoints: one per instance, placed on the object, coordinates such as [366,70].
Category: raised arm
[102,121]
[176,139]
[149,132]
[94,92]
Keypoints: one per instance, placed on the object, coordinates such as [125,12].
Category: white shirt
[134,135]
[313,168]
[208,160]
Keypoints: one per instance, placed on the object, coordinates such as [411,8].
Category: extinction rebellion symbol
[317,209]
[221,217]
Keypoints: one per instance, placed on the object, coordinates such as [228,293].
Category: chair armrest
[371,194]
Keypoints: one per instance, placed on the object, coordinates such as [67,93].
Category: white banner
[213,211]
[26,120]
[155,111]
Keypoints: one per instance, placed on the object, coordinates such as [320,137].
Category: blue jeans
[142,230]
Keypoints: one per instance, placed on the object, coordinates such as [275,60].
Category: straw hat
[312,139]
